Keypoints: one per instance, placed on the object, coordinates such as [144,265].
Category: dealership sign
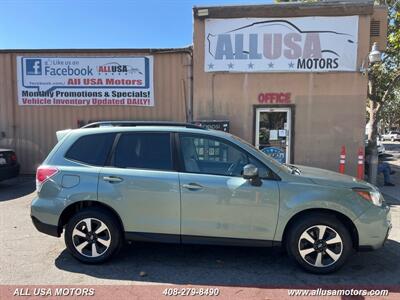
[85,81]
[304,44]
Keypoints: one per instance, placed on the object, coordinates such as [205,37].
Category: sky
[69,24]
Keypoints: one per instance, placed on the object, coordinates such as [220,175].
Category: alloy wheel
[320,246]
[91,237]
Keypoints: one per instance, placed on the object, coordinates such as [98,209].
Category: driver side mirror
[250,172]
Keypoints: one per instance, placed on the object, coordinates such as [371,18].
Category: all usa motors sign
[85,81]
[304,44]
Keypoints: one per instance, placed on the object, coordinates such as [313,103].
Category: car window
[263,171]
[144,151]
[91,149]
[209,155]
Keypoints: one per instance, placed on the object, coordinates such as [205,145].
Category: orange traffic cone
[342,161]
[360,164]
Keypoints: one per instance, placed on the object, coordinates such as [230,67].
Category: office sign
[275,98]
[303,44]
[84,81]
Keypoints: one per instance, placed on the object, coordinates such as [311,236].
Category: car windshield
[277,164]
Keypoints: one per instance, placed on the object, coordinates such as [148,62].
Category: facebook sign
[33,66]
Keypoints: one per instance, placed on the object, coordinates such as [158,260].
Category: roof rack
[140,123]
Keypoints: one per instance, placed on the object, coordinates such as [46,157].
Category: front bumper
[7,172]
[373,227]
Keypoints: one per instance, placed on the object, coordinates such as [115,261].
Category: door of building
[273,132]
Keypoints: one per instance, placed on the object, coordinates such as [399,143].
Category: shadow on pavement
[17,187]
[235,266]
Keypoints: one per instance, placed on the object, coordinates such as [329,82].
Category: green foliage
[386,76]
[392,53]
[390,112]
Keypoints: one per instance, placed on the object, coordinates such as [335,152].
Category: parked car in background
[9,166]
[179,183]
[391,136]
[380,147]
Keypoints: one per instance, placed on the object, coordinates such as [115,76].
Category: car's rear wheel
[93,235]
[319,243]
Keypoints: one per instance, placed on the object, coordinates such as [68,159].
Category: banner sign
[304,44]
[85,81]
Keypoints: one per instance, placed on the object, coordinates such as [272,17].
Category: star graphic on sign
[230,65]
[211,66]
[270,65]
[291,65]
[251,65]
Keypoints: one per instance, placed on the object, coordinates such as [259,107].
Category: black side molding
[46,228]
[207,240]
[153,237]
[199,240]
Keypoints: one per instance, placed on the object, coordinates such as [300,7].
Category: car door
[142,185]
[216,200]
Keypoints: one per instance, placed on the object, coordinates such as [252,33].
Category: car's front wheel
[93,235]
[319,243]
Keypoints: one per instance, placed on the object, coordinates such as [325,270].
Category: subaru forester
[109,182]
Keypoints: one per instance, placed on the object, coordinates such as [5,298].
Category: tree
[390,112]
[383,84]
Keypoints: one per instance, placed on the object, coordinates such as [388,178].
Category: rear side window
[91,149]
[144,150]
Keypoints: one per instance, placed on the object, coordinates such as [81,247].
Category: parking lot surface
[29,257]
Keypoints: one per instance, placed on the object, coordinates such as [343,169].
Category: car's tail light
[13,157]
[43,173]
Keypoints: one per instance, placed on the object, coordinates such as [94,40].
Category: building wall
[31,130]
[329,108]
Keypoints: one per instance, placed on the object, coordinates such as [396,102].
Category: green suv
[179,183]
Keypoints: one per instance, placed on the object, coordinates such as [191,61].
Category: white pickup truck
[391,136]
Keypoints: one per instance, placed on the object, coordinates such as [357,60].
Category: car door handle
[192,186]
[112,179]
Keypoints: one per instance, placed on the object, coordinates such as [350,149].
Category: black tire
[294,242]
[112,234]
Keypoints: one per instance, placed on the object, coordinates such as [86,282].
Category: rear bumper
[46,228]
[9,172]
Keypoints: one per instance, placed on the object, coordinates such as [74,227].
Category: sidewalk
[391,194]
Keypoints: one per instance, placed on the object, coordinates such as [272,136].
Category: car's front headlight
[373,196]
